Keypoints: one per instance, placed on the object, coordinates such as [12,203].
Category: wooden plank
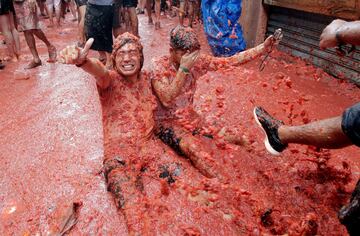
[347,9]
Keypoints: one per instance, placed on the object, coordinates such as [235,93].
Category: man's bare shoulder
[161,69]
[159,63]
[113,77]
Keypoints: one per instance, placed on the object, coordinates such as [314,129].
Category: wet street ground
[51,138]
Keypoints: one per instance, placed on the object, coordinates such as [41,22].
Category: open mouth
[128,67]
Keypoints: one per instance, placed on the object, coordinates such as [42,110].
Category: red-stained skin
[51,152]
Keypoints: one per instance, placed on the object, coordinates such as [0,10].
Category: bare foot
[14,59]
[33,64]
[52,54]
[7,58]
[157,25]
[150,21]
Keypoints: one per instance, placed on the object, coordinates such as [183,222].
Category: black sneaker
[270,127]
[349,215]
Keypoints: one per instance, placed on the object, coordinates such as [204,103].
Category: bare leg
[191,13]
[202,160]
[148,9]
[72,7]
[15,35]
[51,48]
[40,34]
[117,31]
[102,57]
[81,18]
[127,189]
[182,12]
[121,28]
[57,6]
[193,148]
[108,59]
[157,13]
[325,134]
[50,10]
[30,40]
[134,20]
[5,28]
[46,10]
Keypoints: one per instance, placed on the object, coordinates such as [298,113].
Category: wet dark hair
[184,38]
[124,39]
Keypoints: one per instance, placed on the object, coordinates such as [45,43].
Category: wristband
[82,63]
[184,69]
[337,37]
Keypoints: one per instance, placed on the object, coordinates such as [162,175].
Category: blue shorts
[351,124]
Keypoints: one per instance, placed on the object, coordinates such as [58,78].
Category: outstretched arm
[266,47]
[340,31]
[167,90]
[242,57]
[78,56]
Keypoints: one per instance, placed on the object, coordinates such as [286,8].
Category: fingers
[195,55]
[186,55]
[69,55]
[87,46]
[269,41]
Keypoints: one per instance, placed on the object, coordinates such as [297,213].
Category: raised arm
[167,90]
[78,56]
[340,31]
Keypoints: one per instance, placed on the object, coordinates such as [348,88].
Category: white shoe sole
[268,147]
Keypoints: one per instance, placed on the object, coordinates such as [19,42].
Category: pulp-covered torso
[128,112]
[181,111]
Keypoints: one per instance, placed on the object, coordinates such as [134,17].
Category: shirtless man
[128,105]
[174,83]
[123,91]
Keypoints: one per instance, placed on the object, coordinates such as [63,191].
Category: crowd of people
[102,20]
[165,94]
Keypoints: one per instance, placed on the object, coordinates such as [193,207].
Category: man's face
[128,60]
[177,54]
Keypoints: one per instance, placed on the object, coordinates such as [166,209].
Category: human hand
[328,37]
[273,40]
[188,59]
[74,54]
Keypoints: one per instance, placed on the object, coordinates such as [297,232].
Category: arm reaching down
[78,56]
[167,90]
[340,31]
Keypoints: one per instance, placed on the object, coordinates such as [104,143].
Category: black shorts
[6,7]
[80,3]
[129,3]
[351,123]
[98,25]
